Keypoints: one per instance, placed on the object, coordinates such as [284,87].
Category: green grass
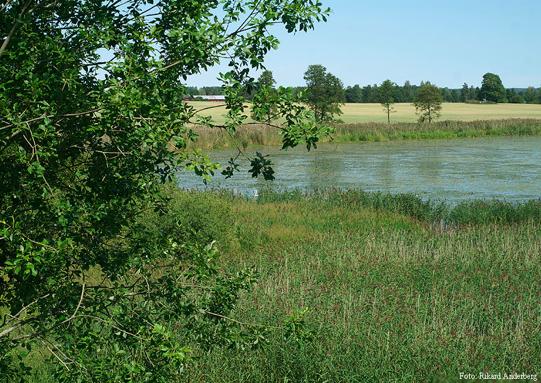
[397,288]
[367,122]
[391,296]
[375,132]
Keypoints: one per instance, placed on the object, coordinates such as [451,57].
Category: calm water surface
[454,170]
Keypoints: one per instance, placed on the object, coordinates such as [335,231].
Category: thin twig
[55,355]
[78,304]
[12,31]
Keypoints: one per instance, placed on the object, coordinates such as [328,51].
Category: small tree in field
[324,92]
[265,98]
[428,102]
[266,79]
[387,96]
[492,89]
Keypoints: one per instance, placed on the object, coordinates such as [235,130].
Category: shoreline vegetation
[378,288]
[436,213]
[247,135]
[372,280]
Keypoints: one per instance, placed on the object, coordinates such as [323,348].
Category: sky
[446,42]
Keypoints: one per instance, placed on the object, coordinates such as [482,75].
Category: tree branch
[12,31]
[78,304]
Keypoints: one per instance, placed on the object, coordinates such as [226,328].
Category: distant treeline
[407,93]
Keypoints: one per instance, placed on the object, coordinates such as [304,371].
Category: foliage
[324,93]
[266,79]
[265,99]
[387,92]
[375,270]
[530,95]
[406,93]
[92,122]
[428,102]
[492,88]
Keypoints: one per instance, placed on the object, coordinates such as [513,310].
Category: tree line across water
[325,93]
[408,91]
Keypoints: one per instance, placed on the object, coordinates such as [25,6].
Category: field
[389,296]
[381,287]
[353,113]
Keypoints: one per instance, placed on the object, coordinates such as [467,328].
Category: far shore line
[264,135]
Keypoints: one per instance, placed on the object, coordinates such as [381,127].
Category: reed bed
[389,297]
[384,294]
[374,132]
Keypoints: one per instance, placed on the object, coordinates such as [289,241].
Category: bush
[191,218]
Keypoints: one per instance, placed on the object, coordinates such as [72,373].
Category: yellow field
[406,112]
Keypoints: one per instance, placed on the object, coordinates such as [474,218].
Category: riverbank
[386,295]
[375,132]
[372,285]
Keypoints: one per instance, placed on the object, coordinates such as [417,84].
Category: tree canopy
[492,88]
[266,79]
[387,96]
[428,102]
[324,92]
[92,122]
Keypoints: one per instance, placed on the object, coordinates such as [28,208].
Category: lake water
[501,167]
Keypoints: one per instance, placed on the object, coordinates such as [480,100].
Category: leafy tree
[474,92]
[266,79]
[492,88]
[465,93]
[265,99]
[514,97]
[387,95]
[211,90]
[428,102]
[408,92]
[530,95]
[92,122]
[324,92]
[354,94]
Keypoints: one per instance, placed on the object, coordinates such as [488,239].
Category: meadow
[373,132]
[375,287]
[388,292]
[405,112]
[367,122]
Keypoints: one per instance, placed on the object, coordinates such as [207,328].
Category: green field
[393,289]
[390,297]
[353,113]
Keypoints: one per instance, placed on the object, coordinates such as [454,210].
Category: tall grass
[389,297]
[474,212]
[437,130]
[371,132]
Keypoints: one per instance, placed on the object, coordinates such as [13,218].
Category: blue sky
[446,42]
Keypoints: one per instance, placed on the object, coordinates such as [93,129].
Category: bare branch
[8,330]
[78,304]
[12,31]
[55,355]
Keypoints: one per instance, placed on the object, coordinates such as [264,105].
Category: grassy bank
[390,296]
[387,291]
[372,132]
